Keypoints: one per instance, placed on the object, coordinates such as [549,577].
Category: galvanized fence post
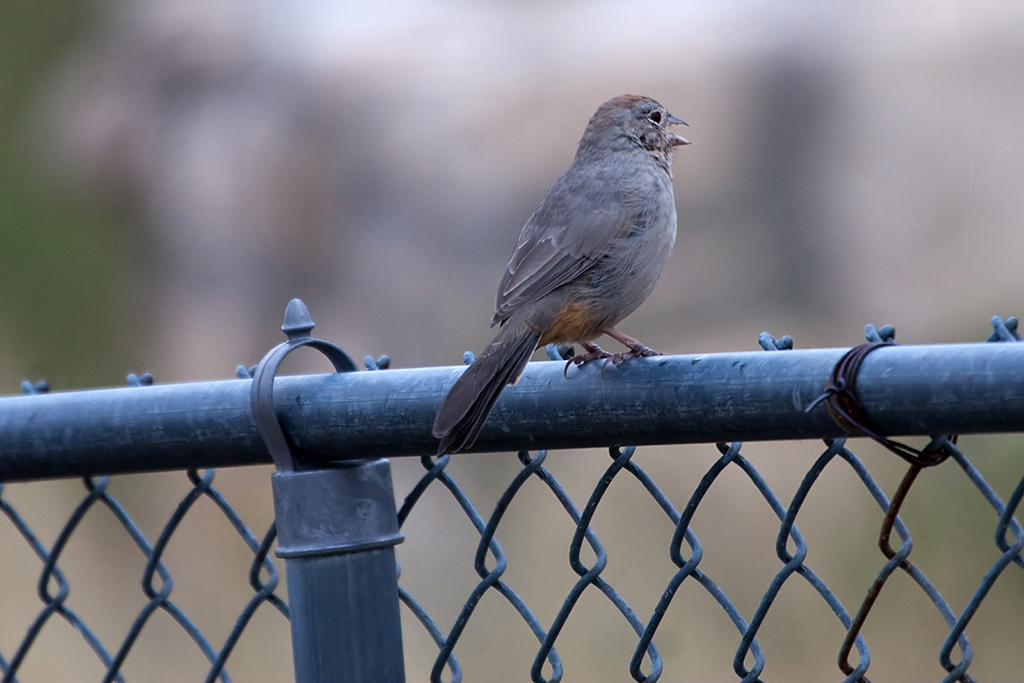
[337,530]
[337,527]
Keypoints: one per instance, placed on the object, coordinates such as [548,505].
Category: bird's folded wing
[560,242]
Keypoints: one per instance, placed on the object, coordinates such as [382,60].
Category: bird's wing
[566,236]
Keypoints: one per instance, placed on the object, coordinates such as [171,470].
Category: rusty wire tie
[846,410]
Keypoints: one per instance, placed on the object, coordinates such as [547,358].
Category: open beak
[676,140]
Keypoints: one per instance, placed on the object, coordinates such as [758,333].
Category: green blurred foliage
[63,259]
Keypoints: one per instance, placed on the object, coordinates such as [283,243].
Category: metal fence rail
[336,519]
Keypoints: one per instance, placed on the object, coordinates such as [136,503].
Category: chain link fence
[41,448]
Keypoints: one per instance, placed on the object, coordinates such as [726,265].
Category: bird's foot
[593,352]
[636,350]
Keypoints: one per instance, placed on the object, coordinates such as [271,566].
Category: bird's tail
[471,398]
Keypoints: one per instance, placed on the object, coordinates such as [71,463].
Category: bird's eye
[655,116]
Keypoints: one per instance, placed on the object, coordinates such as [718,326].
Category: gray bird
[587,258]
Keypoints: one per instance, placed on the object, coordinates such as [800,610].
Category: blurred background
[173,171]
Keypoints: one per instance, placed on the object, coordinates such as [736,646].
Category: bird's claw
[638,351]
[595,352]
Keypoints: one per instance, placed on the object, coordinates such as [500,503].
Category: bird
[587,258]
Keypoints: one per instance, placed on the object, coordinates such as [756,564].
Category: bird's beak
[676,140]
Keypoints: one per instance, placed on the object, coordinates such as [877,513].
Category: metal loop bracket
[298,326]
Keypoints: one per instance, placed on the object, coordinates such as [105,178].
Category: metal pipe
[906,390]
